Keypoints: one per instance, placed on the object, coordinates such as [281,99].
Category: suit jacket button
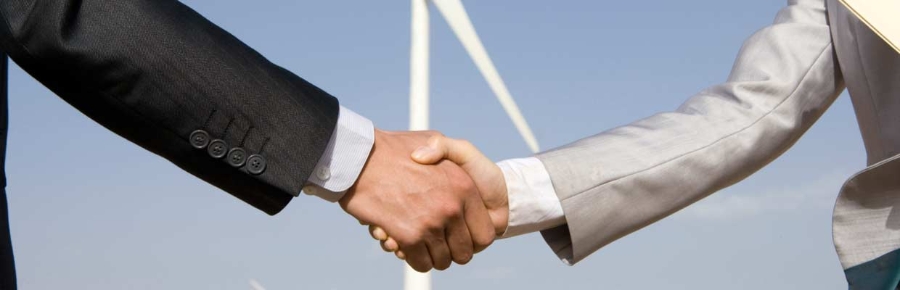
[217,148]
[237,157]
[199,139]
[256,164]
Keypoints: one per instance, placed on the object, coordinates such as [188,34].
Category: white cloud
[255,285]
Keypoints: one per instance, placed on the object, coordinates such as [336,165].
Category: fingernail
[379,234]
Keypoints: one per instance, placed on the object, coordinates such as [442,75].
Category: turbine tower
[455,14]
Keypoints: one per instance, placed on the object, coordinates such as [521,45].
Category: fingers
[390,245]
[418,257]
[377,233]
[459,241]
[440,253]
[436,150]
[429,154]
[480,225]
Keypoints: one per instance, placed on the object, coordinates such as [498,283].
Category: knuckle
[431,225]
[436,141]
[466,144]
[408,240]
[463,258]
[438,238]
[468,183]
[482,243]
[442,262]
[464,183]
[419,266]
[458,178]
[451,210]
[416,238]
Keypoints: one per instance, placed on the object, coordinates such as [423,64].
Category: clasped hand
[430,199]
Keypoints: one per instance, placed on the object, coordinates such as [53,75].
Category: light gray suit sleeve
[619,181]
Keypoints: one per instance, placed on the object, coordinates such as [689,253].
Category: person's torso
[871,69]
[866,222]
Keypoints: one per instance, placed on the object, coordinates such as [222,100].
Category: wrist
[532,203]
[340,165]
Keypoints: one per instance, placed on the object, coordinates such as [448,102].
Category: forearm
[619,181]
[344,158]
[155,71]
[533,205]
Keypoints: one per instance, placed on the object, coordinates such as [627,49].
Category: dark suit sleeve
[155,72]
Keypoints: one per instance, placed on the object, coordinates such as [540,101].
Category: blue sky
[89,210]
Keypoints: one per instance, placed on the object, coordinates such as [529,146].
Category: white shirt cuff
[344,158]
[533,204]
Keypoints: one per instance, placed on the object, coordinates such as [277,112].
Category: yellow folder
[882,16]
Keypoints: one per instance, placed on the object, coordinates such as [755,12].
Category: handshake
[429,199]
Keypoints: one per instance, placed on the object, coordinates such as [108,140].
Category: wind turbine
[455,14]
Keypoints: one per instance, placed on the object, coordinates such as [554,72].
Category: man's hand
[433,213]
[487,176]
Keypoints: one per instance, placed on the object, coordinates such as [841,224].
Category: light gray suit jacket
[785,77]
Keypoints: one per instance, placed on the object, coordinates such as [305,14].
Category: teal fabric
[882,273]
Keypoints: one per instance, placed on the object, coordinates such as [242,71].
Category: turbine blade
[459,21]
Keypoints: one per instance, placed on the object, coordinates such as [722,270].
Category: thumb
[440,147]
[428,154]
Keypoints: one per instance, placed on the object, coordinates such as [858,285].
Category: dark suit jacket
[160,75]
[155,71]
